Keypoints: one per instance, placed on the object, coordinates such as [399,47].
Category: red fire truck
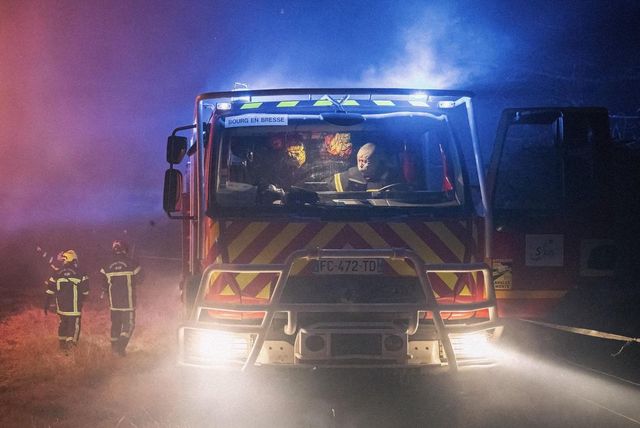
[333,228]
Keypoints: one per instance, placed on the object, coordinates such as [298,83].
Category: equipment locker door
[549,186]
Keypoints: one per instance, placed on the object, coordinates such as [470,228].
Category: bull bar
[292,310]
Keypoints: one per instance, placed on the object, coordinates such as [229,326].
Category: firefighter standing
[70,287]
[120,276]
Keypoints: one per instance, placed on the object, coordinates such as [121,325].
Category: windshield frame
[375,206]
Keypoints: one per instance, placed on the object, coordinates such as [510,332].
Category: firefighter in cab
[120,275]
[371,173]
[70,287]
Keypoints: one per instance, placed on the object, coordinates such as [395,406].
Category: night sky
[91,89]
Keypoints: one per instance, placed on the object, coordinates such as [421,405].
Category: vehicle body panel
[553,206]
[287,264]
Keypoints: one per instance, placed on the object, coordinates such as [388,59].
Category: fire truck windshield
[389,160]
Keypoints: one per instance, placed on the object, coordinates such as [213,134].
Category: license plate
[356,344]
[348,267]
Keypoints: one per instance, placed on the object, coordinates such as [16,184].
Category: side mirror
[172,190]
[176,149]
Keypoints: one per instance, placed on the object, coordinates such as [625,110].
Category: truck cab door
[548,186]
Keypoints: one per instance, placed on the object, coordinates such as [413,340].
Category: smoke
[442,50]
[71,119]
[89,92]
[437,48]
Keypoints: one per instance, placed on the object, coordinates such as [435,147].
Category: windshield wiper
[300,196]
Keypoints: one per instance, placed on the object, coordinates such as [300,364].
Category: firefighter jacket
[353,180]
[120,276]
[70,287]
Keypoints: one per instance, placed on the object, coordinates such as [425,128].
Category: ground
[40,385]
[43,387]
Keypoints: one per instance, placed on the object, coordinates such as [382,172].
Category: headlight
[472,346]
[212,347]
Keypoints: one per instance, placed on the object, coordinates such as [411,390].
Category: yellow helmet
[296,154]
[70,256]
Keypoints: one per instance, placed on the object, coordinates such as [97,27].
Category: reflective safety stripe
[121,273]
[250,105]
[530,294]
[260,242]
[318,103]
[76,333]
[67,313]
[584,331]
[74,281]
[132,323]
[325,102]
[338,182]
[287,103]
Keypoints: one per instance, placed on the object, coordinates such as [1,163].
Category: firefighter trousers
[122,325]
[68,330]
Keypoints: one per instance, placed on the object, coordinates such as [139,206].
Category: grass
[43,386]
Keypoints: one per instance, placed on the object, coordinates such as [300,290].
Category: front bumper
[415,343]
